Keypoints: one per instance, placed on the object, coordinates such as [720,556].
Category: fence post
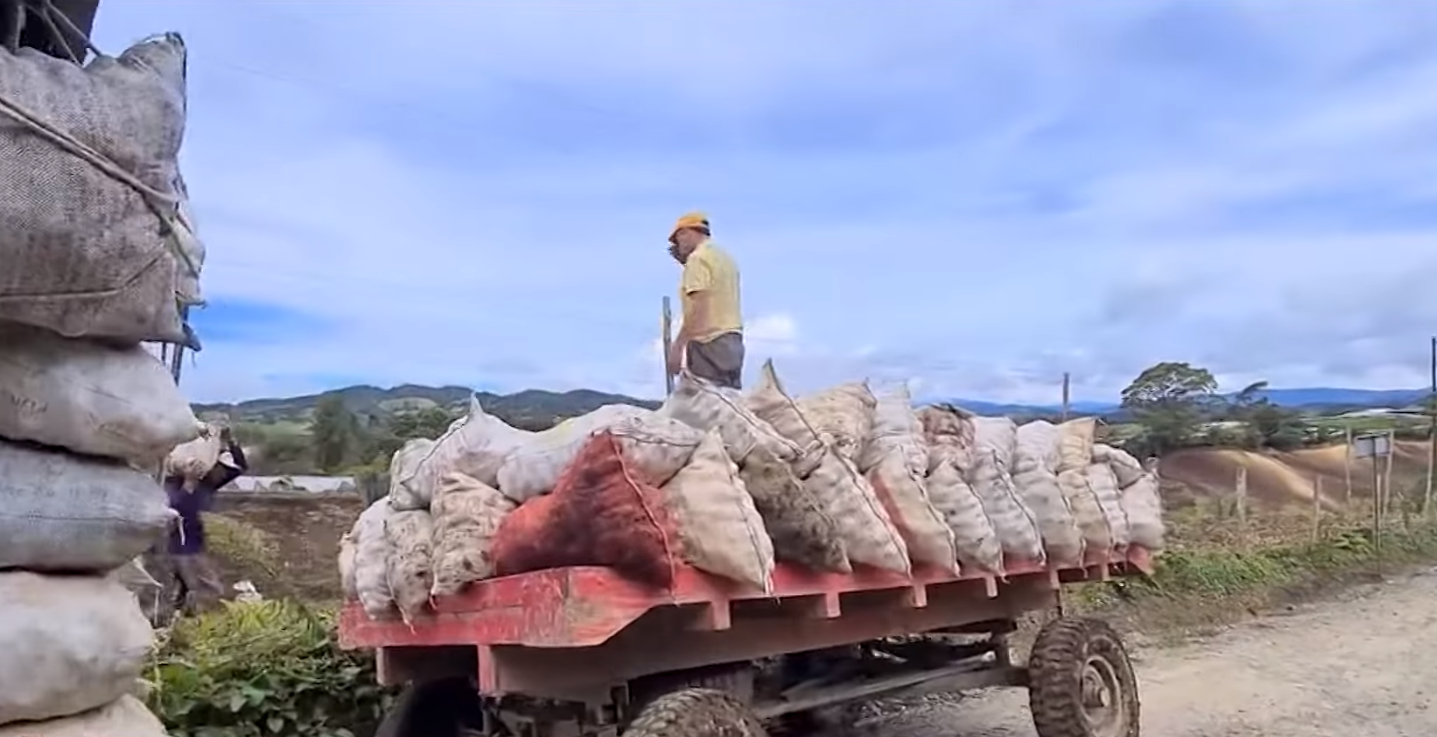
[1347,464]
[1317,509]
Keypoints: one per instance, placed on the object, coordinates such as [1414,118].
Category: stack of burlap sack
[98,257]
[730,482]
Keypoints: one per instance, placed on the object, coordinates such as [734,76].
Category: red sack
[600,514]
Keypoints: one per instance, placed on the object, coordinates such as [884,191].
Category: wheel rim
[1103,698]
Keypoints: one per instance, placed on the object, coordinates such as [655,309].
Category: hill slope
[531,404]
[540,405]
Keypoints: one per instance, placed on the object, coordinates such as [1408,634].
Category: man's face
[684,242]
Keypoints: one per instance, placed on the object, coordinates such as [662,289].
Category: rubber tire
[1055,675]
[695,712]
[432,709]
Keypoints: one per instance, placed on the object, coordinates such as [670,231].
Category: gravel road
[1364,664]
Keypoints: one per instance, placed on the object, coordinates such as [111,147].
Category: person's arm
[224,474]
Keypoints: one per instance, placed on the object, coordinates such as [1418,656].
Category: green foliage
[264,668]
[333,431]
[1168,399]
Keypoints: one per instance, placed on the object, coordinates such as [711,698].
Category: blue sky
[973,196]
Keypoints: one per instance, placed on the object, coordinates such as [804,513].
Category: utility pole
[1066,385]
[1431,434]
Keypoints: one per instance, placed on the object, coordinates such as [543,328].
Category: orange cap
[694,219]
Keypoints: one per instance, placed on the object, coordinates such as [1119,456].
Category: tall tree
[1167,399]
[333,431]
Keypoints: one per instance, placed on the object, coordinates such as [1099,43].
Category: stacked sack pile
[98,257]
[731,483]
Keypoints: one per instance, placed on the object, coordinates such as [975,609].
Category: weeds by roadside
[1220,569]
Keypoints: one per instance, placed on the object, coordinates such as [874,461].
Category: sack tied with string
[95,232]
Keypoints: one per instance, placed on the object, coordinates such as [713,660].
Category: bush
[263,668]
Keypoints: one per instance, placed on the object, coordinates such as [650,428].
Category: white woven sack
[193,460]
[85,252]
[895,427]
[797,520]
[1015,523]
[1144,507]
[71,643]
[718,525]
[371,561]
[974,535]
[61,512]
[467,515]
[867,531]
[1037,443]
[924,531]
[770,403]
[842,416]
[1104,485]
[705,406]
[1127,468]
[124,717]
[474,445]
[1092,493]
[90,397]
[1036,479]
[654,446]
[403,466]
[997,434]
[1075,448]
[949,434]
[410,568]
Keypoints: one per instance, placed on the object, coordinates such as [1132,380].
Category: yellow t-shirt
[712,271]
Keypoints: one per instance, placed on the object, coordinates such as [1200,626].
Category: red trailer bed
[574,632]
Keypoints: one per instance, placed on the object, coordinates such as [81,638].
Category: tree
[333,430]
[1268,425]
[1168,399]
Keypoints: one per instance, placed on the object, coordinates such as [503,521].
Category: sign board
[1372,446]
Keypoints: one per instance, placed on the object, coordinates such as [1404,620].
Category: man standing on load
[710,342]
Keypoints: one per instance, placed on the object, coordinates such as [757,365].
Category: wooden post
[1376,508]
[1347,466]
[668,330]
[1240,491]
[1317,508]
[1065,396]
[1387,497]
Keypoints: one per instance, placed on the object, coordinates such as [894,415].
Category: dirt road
[1364,664]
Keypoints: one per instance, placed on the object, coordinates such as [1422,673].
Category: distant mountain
[532,407]
[1308,398]
[1345,397]
[535,407]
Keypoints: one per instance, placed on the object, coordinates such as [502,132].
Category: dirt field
[1363,664]
[302,530]
[1276,479]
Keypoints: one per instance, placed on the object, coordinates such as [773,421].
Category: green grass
[1219,570]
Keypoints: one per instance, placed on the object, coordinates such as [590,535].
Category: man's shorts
[720,360]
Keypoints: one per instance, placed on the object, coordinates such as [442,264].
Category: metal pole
[1431,436]
[668,330]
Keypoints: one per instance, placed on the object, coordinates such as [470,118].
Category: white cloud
[976,197]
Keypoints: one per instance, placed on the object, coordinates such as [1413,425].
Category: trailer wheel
[695,712]
[1081,683]
[442,708]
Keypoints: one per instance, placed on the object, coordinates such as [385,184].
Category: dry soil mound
[1278,479]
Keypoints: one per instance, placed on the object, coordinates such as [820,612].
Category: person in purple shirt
[199,582]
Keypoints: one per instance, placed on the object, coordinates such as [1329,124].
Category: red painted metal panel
[585,606]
